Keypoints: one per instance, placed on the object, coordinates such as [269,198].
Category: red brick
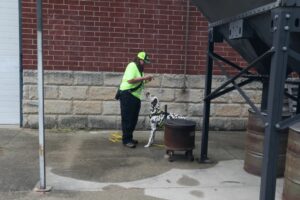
[103,35]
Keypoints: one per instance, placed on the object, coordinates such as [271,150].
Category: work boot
[130,144]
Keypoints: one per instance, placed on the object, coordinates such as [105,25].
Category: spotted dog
[157,117]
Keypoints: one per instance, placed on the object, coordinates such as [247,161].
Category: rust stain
[41,150]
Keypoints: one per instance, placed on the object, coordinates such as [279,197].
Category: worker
[131,89]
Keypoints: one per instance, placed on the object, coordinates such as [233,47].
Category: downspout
[20,63]
[187,22]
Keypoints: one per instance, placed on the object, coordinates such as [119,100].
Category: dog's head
[155,105]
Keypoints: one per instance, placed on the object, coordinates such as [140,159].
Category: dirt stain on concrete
[113,187]
[197,193]
[187,181]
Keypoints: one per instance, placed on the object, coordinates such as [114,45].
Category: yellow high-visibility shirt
[132,72]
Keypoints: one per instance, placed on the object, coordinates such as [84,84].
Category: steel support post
[41,94]
[206,107]
[42,159]
[264,95]
[298,100]
[275,101]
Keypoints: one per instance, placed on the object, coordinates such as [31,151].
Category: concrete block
[195,110]
[87,107]
[221,99]
[111,108]
[29,77]
[198,121]
[255,96]
[73,92]
[235,97]
[88,78]
[100,122]
[112,79]
[162,94]
[50,92]
[58,107]
[101,93]
[58,78]
[33,93]
[30,106]
[226,110]
[188,96]
[31,121]
[26,92]
[218,81]
[196,81]
[72,121]
[225,124]
[172,81]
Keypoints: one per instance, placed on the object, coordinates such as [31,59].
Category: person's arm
[139,79]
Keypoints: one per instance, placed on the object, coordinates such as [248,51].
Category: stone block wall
[75,100]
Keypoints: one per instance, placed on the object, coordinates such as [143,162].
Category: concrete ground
[94,165]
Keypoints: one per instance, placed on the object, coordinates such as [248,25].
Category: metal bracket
[215,35]
[288,122]
[239,29]
[246,14]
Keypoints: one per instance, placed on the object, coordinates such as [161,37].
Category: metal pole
[298,100]
[264,98]
[275,102]
[42,186]
[206,107]
[20,62]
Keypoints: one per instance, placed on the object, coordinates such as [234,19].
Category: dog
[157,117]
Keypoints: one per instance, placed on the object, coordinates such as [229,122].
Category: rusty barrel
[255,144]
[291,189]
[179,134]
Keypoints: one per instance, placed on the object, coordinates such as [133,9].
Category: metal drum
[179,136]
[291,189]
[255,142]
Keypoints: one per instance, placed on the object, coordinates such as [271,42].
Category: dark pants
[130,109]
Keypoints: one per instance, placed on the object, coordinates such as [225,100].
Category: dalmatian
[157,117]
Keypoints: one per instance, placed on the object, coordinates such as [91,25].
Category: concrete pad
[227,180]
[89,165]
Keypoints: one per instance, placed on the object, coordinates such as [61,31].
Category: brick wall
[103,35]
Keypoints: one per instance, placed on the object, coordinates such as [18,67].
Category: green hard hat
[143,56]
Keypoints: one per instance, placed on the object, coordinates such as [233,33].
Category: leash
[159,145]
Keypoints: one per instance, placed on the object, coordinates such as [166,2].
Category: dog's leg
[152,135]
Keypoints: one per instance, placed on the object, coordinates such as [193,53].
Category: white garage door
[9,62]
